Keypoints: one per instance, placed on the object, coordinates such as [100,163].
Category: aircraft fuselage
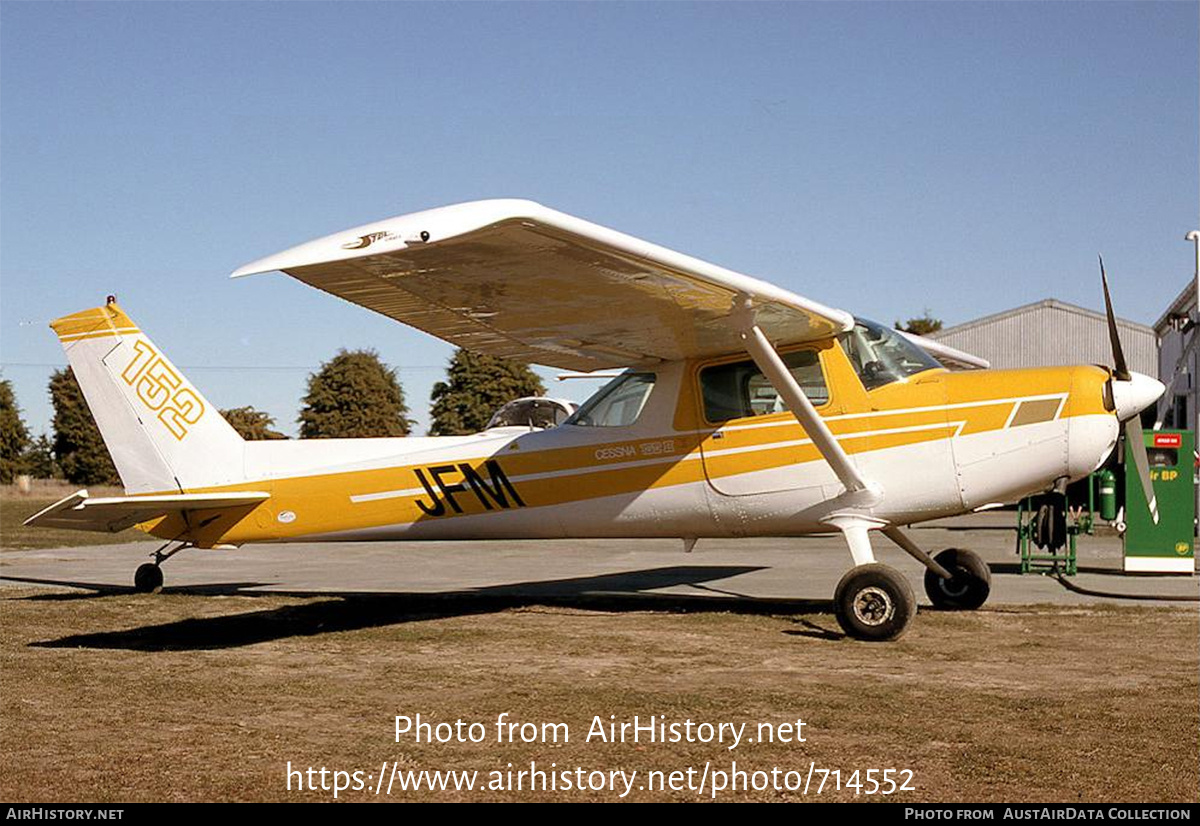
[936,444]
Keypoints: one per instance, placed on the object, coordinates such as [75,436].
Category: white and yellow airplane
[743,410]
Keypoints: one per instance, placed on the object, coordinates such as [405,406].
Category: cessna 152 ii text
[742,410]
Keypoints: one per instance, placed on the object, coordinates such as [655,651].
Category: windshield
[618,403]
[881,356]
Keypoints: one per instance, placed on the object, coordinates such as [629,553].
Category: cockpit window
[739,390]
[619,403]
[881,356]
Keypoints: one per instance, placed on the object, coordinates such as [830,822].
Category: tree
[352,396]
[252,425]
[14,436]
[77,442]
[922,326]
[38,459]
[478,385]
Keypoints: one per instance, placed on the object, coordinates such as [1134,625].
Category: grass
[184,696]
[16,507]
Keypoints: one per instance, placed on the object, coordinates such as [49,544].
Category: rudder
[162,434]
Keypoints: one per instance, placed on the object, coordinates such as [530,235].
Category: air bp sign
[1168,546]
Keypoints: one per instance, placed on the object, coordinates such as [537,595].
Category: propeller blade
[1133,425]
[1137,445]
[1121,370]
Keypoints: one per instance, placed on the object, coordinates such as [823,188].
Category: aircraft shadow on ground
[331,612]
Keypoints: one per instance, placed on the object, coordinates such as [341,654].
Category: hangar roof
[1052,332]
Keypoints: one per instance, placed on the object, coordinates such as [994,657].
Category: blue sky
[883,158]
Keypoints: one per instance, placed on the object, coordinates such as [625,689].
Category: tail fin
[162,434]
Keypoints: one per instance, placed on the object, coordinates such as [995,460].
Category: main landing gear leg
[148,578]
[873,601]
[955,580]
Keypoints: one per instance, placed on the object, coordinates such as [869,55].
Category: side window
[739,390]
[618,403]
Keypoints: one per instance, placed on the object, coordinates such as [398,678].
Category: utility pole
[1194,237]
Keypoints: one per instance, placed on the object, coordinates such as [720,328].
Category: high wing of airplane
[742,410]
[515,279]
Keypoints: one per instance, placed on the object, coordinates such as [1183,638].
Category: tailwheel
[874,602]
[967,588]
[148,578]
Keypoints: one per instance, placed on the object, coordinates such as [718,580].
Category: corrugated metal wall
[1052,333]
[1182,400]
[1180,408]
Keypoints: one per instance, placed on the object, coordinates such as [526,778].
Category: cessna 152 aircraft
[743,410]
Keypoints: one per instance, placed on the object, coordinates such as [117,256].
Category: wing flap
[519,280]
[116,513]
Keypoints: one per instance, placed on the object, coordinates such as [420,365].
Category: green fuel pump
[1165,547]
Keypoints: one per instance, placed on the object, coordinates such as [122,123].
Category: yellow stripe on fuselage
[974,403]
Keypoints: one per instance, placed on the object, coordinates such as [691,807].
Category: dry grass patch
[188,697]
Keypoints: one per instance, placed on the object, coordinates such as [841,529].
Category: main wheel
[874,602]
[969,586]
[148,578]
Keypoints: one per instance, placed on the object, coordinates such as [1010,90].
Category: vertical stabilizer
[162,434]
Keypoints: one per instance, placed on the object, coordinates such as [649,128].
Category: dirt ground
[112,696]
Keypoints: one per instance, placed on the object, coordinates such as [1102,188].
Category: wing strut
[772,366]
[861,494]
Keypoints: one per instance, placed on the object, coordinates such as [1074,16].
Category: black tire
[967,589]
[148,579]
[874,603]
[1050,522]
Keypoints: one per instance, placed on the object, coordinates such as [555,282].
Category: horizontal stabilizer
[116,513]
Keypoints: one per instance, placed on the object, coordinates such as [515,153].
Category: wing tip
[248,269]
[335,246]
